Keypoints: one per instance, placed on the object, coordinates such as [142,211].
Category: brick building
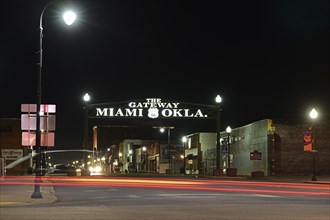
[296,161]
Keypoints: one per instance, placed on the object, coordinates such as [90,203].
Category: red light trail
[277,188]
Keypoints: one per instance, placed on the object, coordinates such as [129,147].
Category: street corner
[48,196]
[24,197]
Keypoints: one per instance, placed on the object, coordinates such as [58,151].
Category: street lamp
[218,100]
[162,129]
[86,100]
[313,115]
[228,130]
[69,18]
[183,156]
[145,152]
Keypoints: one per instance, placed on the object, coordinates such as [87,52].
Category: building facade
[272,147]
[237,149]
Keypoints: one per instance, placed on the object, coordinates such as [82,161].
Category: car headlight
[96,169]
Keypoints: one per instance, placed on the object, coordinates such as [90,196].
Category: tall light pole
[218,100]
[145,154]
[69,18]
[86,100]
[184,141]
[313,115]
[162,129]
[228,130]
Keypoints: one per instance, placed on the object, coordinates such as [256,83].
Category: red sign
[47,139]
[28,139]
[308,141]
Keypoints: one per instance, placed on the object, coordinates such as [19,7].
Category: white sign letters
[153,108]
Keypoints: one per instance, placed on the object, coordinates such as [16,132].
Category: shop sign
[12,154]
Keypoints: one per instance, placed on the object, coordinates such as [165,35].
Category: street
[176,198]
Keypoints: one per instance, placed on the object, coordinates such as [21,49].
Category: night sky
[267,59]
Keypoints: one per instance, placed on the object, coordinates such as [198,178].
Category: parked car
[63,169]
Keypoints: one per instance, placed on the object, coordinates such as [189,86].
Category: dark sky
[267,59]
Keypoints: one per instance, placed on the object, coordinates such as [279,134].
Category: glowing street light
[313,114]
[86,97]
[69,17]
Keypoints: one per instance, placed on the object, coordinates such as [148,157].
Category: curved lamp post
[313,115]
[218,100]
[69,18]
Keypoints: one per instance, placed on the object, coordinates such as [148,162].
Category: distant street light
[69,17]
[87,97]
[228,130]
[162,129]
[86,100]
[183,156]
[313,115]
[218,100]
[145,155]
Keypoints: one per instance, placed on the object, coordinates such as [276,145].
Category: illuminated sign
[152,108]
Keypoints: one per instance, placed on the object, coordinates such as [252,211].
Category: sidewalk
[303,179]
[20,194]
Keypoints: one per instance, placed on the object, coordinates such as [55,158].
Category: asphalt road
[135,198]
